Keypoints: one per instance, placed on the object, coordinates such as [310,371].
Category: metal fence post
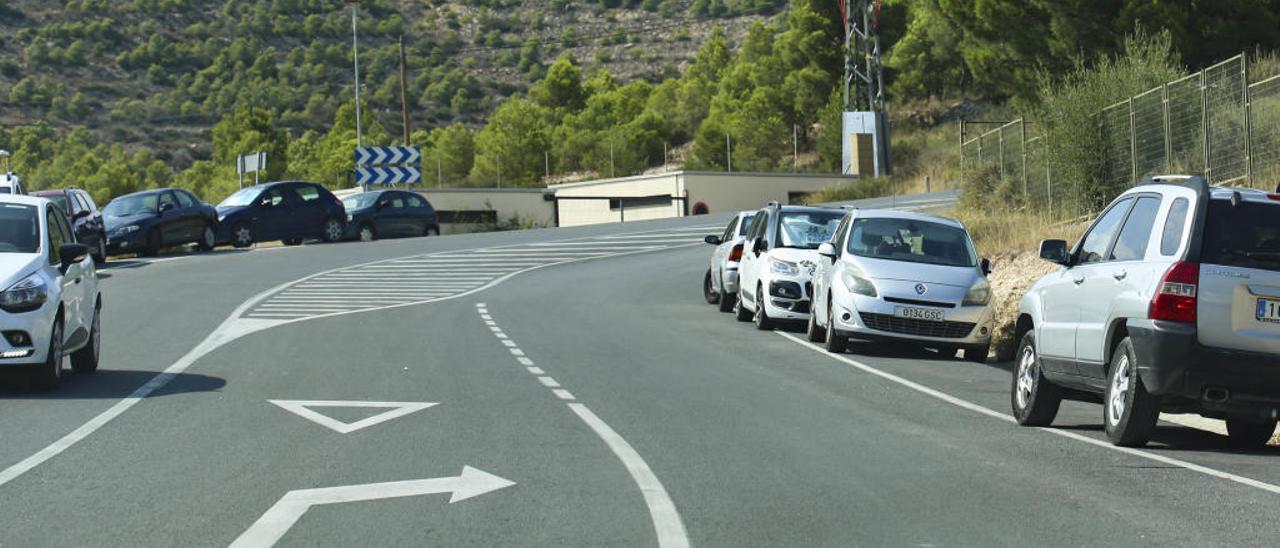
[1048,172]
[1133,143]
[1248,121]
[1000,150]
[1168,139]
[1022,127]
[1204,125]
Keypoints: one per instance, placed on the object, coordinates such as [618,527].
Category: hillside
[158,74]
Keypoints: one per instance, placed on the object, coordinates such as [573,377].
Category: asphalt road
[562,387]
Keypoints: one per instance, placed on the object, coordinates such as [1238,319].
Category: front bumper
[38,325]
[860,316]
[787,298]
[128,242]
[1172,362]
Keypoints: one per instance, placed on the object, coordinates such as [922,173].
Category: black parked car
[389,213]
[148,221]
[290,211]
[86,221]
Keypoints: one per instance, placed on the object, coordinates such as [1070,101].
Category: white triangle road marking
[397,409]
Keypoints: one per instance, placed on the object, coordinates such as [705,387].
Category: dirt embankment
[1012,273]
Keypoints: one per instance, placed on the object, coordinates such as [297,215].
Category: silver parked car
[720,285]
[893,275]
[1170,302]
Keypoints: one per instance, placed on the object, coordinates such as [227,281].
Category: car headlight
[348,217]
[788,268]
[221,218]
[28,294]
[126,229]
[857,281]
[978,294]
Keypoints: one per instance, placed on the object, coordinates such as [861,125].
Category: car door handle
[1119,275]
[1079,280]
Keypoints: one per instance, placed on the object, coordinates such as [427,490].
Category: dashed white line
[525,361]
[509,343]
[548,382]
[516,352]
[562,394]
[536,370]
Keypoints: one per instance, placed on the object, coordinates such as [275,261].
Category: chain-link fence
[1213,123]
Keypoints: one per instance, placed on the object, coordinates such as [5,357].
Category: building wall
[725,192]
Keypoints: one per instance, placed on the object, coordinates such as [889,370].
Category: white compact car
[720,284]
[779,259]
[50,305]
[899,276]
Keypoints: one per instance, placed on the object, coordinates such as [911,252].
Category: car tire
[761,318]
[709,292]
[815,333]
[1035,400]
[85,360]
[1129,412]
[332,230]
[431,231]
[242,236]
[46,376]
[100,253]
[977,353]
[153,243]
[367,233]
[208,238]
[727,300]
[1249,434]
[740,312]
[833,341]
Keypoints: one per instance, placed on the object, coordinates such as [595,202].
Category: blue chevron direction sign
[381,156]
[388,176]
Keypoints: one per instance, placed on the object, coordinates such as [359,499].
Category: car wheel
[1035,399]
[709,292]
[834,342]
[242,235]
[977,353]
[367,234]
[431,231]
[727,300]
[740,312]
[153,243]
[208,238]
[85,360]
[761,318]
[100,254]
[815,333]
[48,375]
[1249,434]
[332,230]
[1129,411]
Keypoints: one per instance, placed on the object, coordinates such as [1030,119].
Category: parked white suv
[779,259]
[50,305]
[1170,302]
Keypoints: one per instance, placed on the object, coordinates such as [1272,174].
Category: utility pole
[404,94]
[728,153]
[355,57]
[610,158]
[795,148]
[546,162]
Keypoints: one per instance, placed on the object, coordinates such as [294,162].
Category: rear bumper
[1172,362]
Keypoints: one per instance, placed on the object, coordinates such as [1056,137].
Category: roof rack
[1194,182]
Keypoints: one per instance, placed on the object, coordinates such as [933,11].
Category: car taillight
[735,254]
[1175,298]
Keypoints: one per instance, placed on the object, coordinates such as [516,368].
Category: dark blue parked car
[290,211]
[388,214]
[148,221]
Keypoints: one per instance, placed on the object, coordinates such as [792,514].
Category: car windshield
[359,200]
[132,205]
[911,240]
[807,229]
[242,197]
[745,224]
[1246,235]
[19,228]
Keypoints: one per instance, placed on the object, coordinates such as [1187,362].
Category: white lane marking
[509,343]
[548,382]
[666,520]
[1064,433]
[536,370]
[396,409]
[516,352]
[286,512]
[562,394]
[495,329]
[499,334]
[480,305]
[525,361]
[490,322]
[486,317]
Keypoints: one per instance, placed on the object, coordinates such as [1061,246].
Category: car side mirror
[71,253]
[80,215]
[827,250]
[165,207]
[382,205]
[986,267]
[713,240]
[1055,251]
[757,246]
[265,202]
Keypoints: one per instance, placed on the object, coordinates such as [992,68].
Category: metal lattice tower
[863,74]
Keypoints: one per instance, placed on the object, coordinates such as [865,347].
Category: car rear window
[1246,235]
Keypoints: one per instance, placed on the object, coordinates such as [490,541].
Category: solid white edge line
[1064,433]
[666,520]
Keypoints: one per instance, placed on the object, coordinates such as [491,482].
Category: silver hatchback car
[720,284]
[900,276]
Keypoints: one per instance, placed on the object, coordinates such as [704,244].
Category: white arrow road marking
[289,509]
[302,408]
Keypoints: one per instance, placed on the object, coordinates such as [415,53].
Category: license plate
[913,313]
[1268,311]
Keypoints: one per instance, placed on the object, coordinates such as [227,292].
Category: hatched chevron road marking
[426,278]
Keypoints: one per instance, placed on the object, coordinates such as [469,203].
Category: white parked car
[900,276]
[720,284]
[781,253]
[10,183]
[51,304]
